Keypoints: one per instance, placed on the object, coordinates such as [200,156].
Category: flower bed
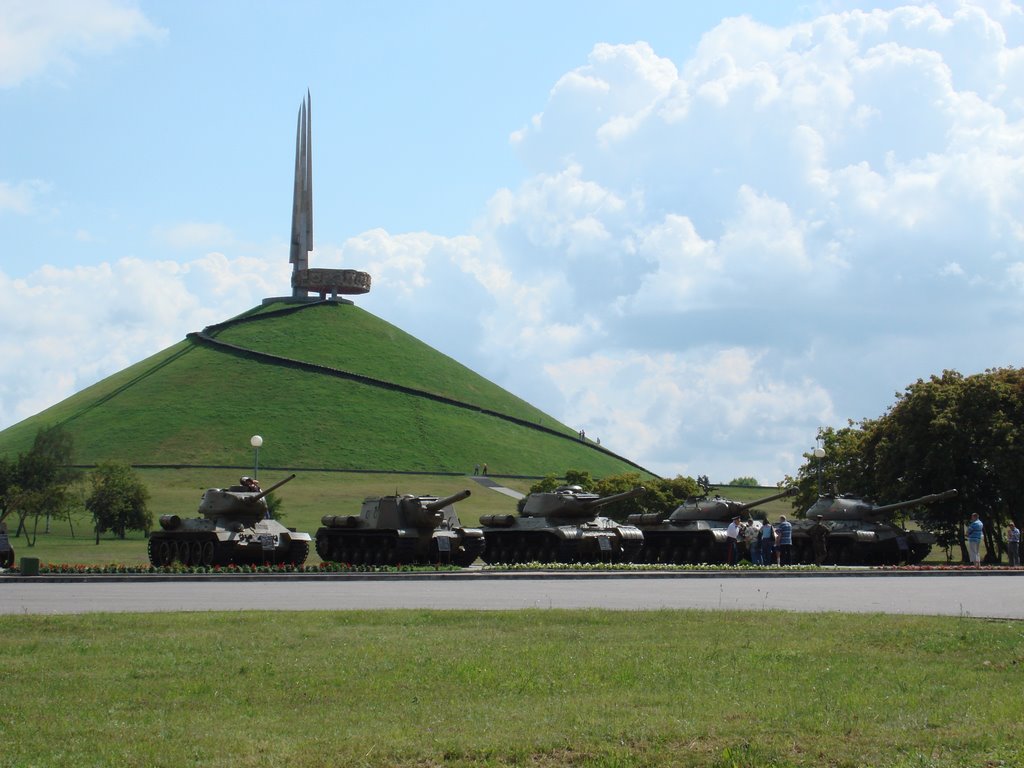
[113,568]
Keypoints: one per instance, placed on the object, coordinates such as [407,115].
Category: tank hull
[267,542]
[863,542]
[367,546]
[699,541]
[544,540]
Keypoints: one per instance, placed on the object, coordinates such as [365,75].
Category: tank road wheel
[492,549]
[181,552]
[297,552]
[196,553]
[545,551]
[323,546]
[151,550]
[206,556]
[838,553]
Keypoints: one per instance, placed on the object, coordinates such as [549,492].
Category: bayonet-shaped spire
[302,200]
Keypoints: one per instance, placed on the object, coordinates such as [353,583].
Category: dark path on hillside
[207,338]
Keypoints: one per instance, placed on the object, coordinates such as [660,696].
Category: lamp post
[255,441]
[819,454]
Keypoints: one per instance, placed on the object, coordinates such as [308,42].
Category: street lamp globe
[819,454]
[255,441]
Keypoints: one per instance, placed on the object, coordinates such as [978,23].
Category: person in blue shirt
[974,533]
[785,531]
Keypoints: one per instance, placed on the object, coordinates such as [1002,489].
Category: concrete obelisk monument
[305,280]
[302,198]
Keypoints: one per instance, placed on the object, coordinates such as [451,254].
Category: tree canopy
[947,431]
[118,500]
[37,483]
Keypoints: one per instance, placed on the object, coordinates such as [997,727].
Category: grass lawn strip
[537,688]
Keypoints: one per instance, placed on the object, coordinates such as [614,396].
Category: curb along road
[477,574]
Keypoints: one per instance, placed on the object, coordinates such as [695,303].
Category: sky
[700,232]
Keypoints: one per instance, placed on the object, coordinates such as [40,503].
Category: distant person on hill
[1013,544]
[785,531]
[485,467]
[975,529]
[476,470]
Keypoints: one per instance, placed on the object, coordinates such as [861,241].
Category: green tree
[949,431]
[663,494]
[37,484]
[118,500]
[952,431]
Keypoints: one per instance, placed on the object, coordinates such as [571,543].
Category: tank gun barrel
[272,488]
[931,498]
[788,491]
[434,506]
[606,500]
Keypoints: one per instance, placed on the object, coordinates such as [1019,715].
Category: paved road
[994,596]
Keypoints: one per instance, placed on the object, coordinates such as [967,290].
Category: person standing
[975,530]
[767,543]
[732,533]
[1013,544]
[785,531]
[752,538]
[818,534]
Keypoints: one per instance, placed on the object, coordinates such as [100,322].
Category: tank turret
[241,501]
[234,527]
[401,529]
[695,531]
[564,527]
[862,532]
[569,501]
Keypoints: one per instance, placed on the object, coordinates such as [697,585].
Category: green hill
[328,386]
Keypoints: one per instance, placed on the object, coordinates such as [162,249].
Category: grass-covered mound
[327,386]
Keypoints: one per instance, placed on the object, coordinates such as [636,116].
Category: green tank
[695,531]
[562,527]
[234,527]
[401,530]
[863,533]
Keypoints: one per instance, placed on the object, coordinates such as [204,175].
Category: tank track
[512,547]
[207,551]
[678,548]
[386,548]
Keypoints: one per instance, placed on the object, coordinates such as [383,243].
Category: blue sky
[700,233]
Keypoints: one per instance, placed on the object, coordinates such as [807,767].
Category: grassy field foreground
[531,688]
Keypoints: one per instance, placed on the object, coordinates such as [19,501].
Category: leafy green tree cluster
[744,482]
[37,484]
[949,431]
[663,494]
[118,500]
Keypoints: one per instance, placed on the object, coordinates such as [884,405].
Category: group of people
[767,544]
[770,544]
